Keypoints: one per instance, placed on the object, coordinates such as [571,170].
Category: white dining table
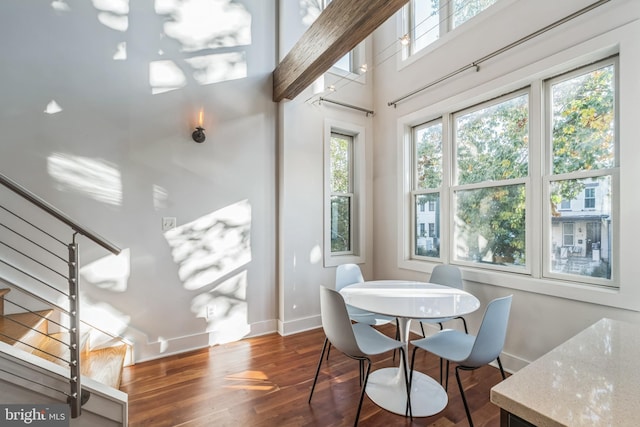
[407,300]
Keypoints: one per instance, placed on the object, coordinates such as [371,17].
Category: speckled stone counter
[593,379]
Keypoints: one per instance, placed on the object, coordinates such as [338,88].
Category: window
[474,165]
[353,62]
[426,21]
[344,181]
[567,234]
[427,182]
[589,198]
[341,170]
[491,163]
[581,108]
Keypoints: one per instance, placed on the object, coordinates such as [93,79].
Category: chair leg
[422,328]
[328,351]
[504,377]
[407,384]
[446,381]
[464,399]
[324,347]
[364,387]
[464,322]
[397,337]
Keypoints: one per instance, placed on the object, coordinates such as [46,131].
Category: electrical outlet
[211,311]
[168,223]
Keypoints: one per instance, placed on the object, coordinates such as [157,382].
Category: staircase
[31,332]
[48,355]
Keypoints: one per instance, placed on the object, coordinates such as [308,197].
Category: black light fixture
[198,134]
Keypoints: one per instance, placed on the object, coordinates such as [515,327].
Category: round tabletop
[410,299]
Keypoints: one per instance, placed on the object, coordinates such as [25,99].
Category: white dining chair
[356,340]
[467,351]
[447,275]
[348,274]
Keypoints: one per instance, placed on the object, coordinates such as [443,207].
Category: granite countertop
[593,379]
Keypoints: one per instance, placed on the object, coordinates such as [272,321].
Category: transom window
[428,20]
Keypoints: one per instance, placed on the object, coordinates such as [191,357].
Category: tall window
[344,213]
[341,171]
[427,183]
[485,176]
[492,164]
[581,108]
[427,20]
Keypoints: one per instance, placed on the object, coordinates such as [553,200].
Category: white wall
[538,321]
[118,157]
[301,136]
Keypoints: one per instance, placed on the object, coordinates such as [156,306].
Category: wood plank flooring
[265,382]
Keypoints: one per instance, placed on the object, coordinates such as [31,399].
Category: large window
[427,183]
[341,176]
[344,193]
[581,117]
[475,165]
[491,164]
[427,20]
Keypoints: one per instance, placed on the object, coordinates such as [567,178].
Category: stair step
[105,365]
[19,328]
[55,348]
[3,292]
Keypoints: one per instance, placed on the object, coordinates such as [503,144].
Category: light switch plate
[168,223]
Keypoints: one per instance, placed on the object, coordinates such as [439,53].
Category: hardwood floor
[265,382]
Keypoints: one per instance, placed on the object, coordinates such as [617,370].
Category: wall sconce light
[198,134]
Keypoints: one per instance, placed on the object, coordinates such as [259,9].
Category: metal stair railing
[37,257]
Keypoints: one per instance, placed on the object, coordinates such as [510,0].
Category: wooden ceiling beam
[339,28]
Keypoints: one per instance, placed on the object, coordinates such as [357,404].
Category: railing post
[74,322]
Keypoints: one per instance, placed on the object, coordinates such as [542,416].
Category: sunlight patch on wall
[310,10]
[218,67]
[121,52]
[110,273]
[60,6]
[212,246]
[160,197]
[52,107]
[226,310]
[206,24]
[165,76]
[96,179]
[315,255]
[113,13]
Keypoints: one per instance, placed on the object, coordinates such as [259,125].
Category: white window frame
[358,214]
[621,41]
[446,33]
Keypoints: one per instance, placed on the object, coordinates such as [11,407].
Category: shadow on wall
[211,254]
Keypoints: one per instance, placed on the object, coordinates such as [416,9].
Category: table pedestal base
[386,389]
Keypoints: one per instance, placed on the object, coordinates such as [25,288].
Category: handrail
[61,216]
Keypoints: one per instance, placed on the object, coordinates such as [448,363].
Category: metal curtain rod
[364,110]
[476,64]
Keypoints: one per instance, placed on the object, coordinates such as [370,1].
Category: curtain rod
[364,110]
[476,64]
